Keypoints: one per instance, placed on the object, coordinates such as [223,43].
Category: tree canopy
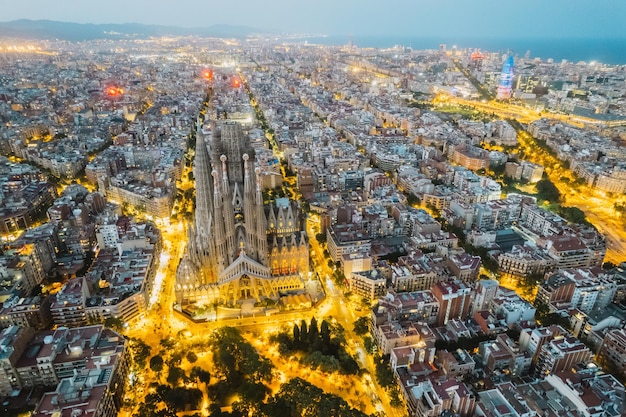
[323,345]
[140,351]
[236,360]
[546,190]
[361,326]
[156,363]
[298,398]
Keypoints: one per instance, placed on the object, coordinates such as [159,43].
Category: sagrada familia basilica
[238,247]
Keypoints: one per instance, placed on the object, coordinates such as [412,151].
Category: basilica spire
[248,204]
[261,221]
[202,175]
[229,219]
[219,233]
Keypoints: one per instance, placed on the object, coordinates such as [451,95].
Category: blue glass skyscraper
[506,79]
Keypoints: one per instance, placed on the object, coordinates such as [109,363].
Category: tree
[548,191]
[176,359]
[513,334]
[188,194]
[529,282]
[304,333]
[555,318]
[325,336]
[296,333]
[167,343]
[179,398]
[348,365]
[114,323]
[572,214]
[253,392]
[384,374]
[361,326]
[396,400]
[339,278]
[156,363]
[545,317]
[608,265]
[498,169]
[413,200]
[236,360]
[542,309]
[140,351]
[323,348]
[200,375]
[153,407]
[204,377]
[174,375]
[489,263]
[221,391]
[313,334]
[191,356]
[369,345]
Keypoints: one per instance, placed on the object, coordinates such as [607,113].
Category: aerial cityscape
[223,220]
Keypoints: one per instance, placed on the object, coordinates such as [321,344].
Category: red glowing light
[477,56]
[208,74]
[236,83]
[114,91]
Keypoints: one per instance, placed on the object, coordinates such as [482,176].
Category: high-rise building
[238,247]
[505,83]
[561,353]
[13,342]
[613,349]
[486,290]
[455,300]
[533,340]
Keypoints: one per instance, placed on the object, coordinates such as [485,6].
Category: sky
[409,18]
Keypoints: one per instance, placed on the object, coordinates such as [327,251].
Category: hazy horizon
[479,19]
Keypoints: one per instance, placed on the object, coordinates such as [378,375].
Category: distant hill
[49,29]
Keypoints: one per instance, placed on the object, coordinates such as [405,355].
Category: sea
[606,51]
